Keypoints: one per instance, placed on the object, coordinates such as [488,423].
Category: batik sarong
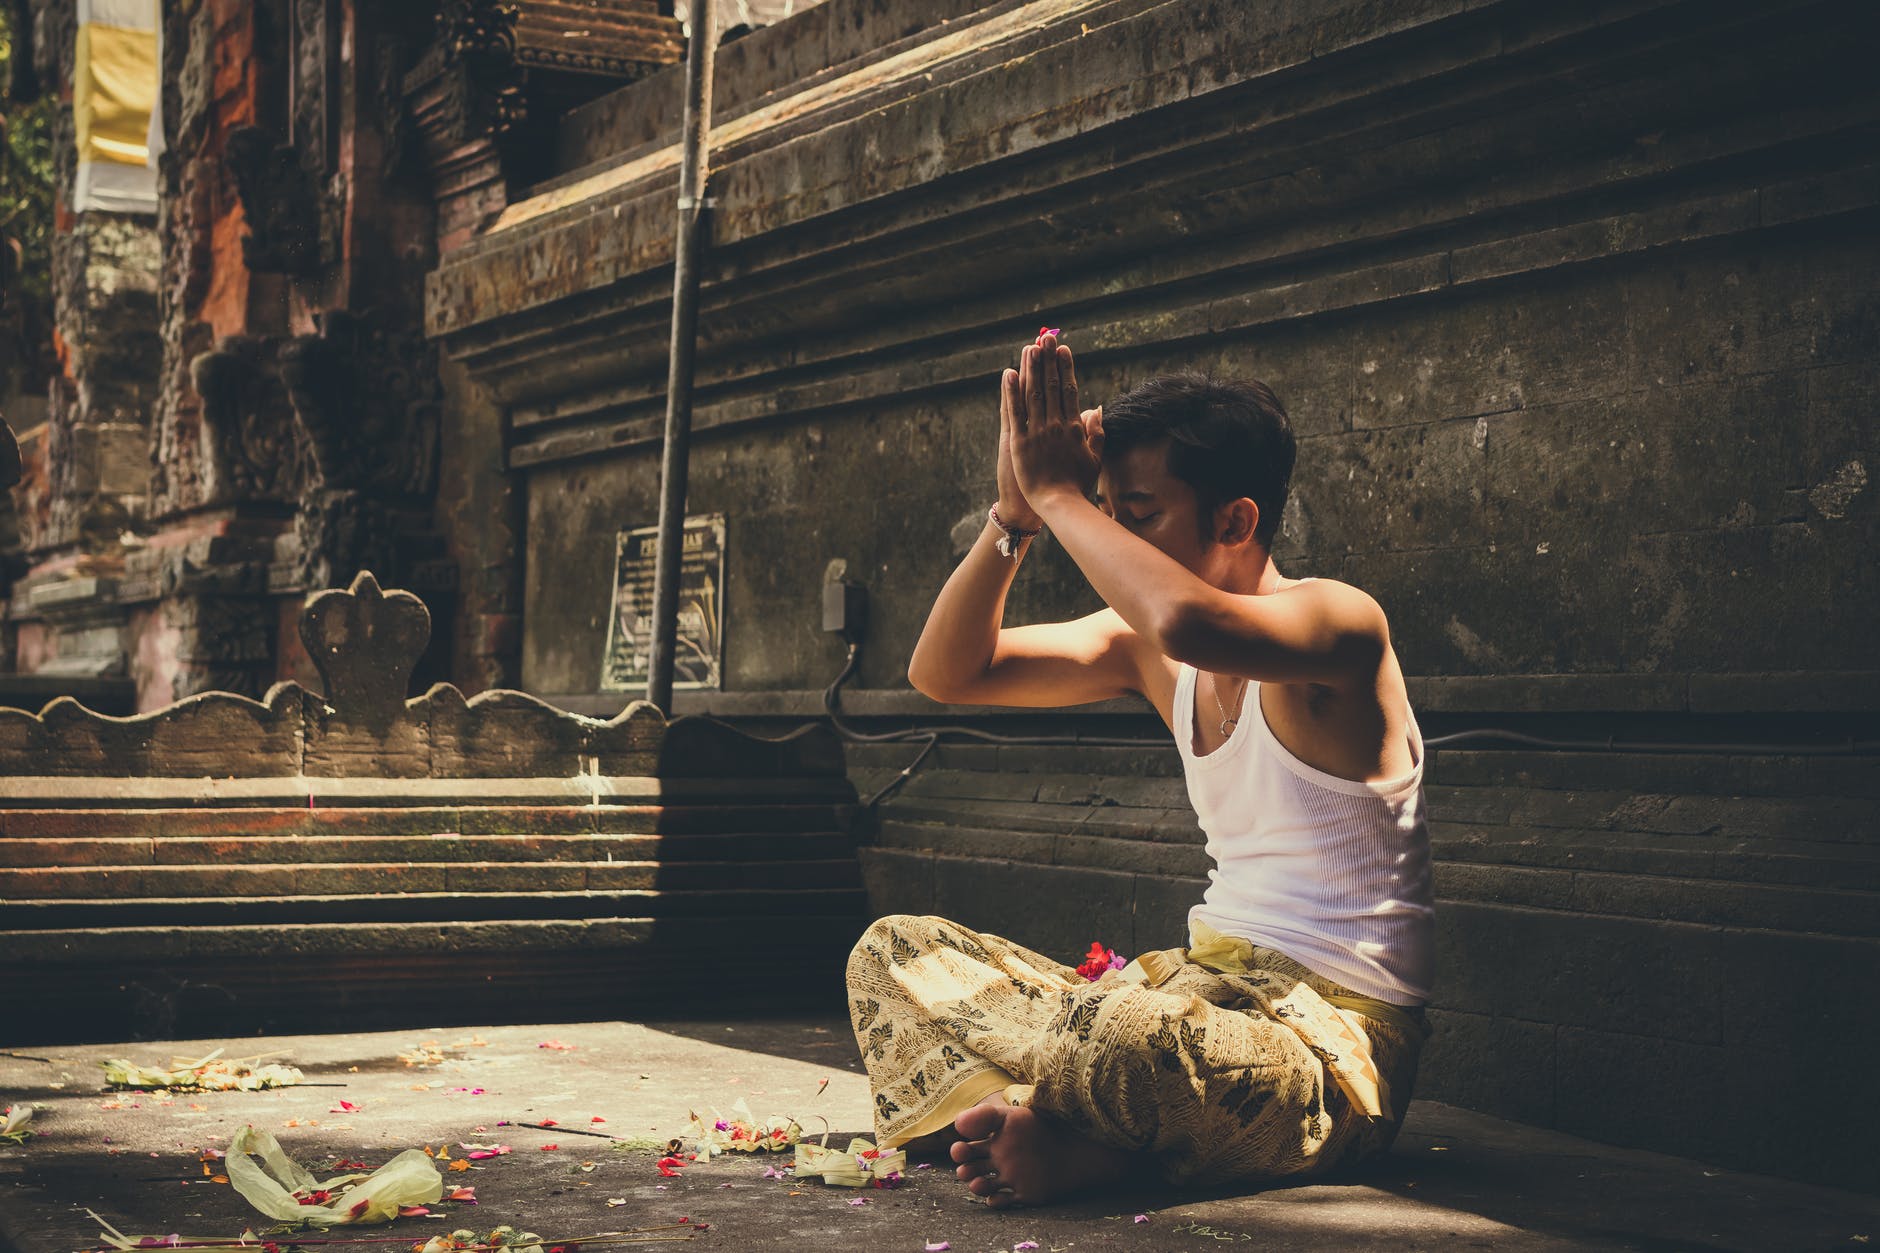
[1226,1061]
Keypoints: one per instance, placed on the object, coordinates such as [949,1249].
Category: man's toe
[974,1169]
[970,1150]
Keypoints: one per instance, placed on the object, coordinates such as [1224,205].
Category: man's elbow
[930,685]
[1179,631]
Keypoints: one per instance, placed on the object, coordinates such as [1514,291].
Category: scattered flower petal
[858,1202]
[557,1045]
[938,1246]
[615,1202]
[1024,1244]
[1142,1218]
[597,1118]
[467,1195]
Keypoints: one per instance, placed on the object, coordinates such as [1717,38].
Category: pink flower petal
[1142,1218]
[938,1246]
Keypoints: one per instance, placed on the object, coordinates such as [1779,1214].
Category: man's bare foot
[1012,1156]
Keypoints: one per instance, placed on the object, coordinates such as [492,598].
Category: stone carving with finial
[365,642]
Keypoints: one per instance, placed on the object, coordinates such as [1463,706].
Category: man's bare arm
[1322,632]
[1317,632]
[965,657]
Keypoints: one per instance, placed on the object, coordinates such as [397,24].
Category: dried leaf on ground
[212,1073]
[283,1189]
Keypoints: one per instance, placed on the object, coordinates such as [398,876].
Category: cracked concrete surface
[1455,1179]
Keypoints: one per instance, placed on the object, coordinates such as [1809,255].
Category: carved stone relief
[250,445]
[283,206]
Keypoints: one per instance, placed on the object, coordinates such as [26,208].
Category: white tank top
[1331,872]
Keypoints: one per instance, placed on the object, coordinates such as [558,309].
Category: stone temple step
[102,983]
[559,938]
[445,907]
[278,821]
[24,853]
[336,878]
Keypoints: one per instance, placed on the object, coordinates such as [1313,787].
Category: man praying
[1283,1040]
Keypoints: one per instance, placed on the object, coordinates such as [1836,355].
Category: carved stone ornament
[283,207]
[365,642]
[476,54]
[368,403]
[251,444]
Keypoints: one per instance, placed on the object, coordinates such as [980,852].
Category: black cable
[1850,747]
[931,737]
[907,772]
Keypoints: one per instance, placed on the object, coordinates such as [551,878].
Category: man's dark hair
[1226,439]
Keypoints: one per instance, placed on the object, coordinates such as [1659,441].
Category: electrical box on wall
[844,609]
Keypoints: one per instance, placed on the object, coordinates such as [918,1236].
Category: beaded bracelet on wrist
[1009,541]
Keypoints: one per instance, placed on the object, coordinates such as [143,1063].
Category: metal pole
[688,243]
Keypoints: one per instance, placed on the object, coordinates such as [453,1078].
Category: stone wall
[88,475]
[249,409]
[1572,311]
[1573,339]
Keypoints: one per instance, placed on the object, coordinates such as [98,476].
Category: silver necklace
[1227,724]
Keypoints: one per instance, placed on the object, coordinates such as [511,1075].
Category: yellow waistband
[1233,955]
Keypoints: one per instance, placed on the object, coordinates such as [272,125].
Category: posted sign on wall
[699,650]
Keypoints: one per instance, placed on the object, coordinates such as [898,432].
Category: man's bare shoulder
[1339,600]
[1315,632]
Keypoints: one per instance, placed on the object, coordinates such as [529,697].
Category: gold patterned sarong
[1224,1060]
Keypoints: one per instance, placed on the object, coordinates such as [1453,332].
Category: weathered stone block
[1496,1065]
[1056,910]
[951,840]
[1162,905]
[1646,1090]
[1695,772]
[1134,856]
[1504,885]
[1622,975]
[897,881]
[1410,486]
[1706,455]
[1552,611]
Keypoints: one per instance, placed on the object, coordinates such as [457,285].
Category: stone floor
[1455,1180]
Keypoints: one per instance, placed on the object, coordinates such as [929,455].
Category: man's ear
[1236,521]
